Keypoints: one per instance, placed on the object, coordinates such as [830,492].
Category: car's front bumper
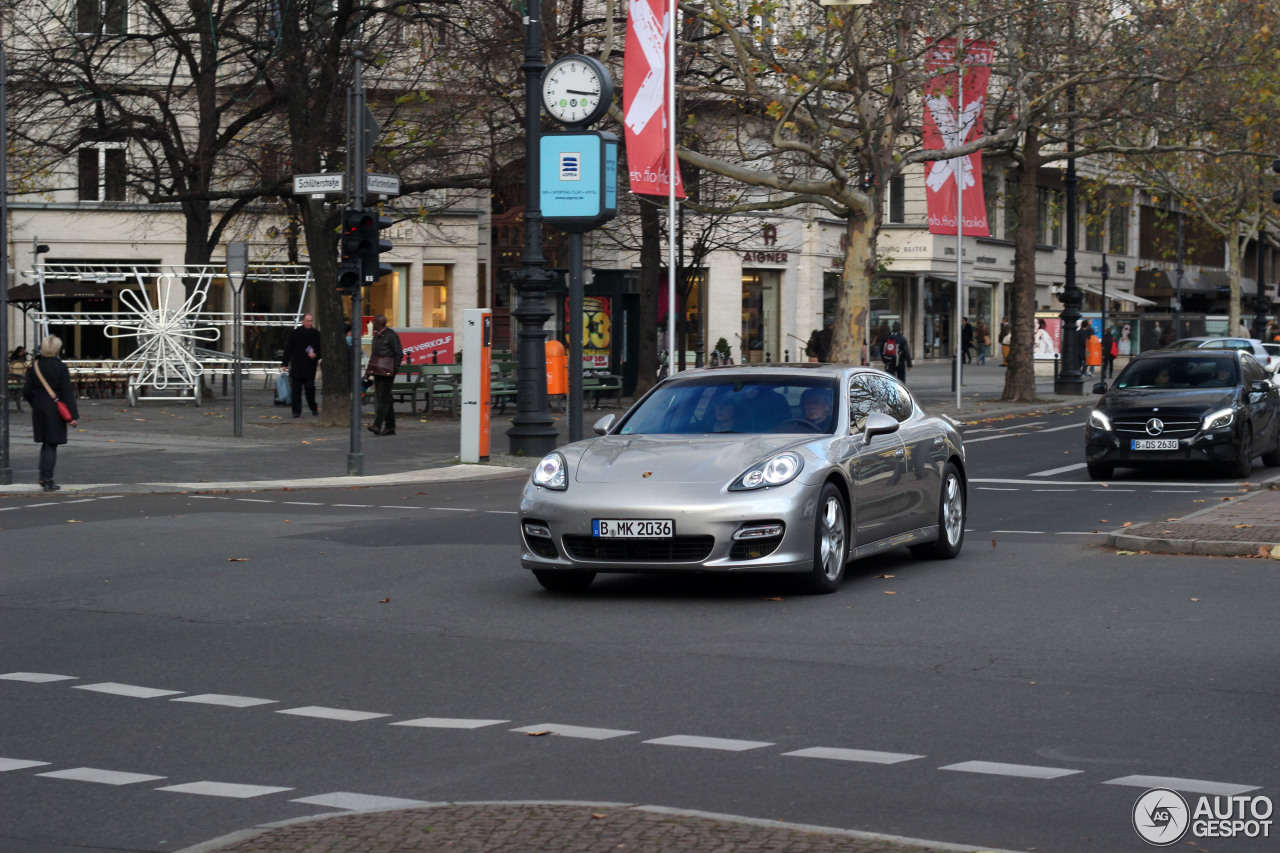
[1216,447]
[705,522]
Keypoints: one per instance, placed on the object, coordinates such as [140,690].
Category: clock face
[576,90]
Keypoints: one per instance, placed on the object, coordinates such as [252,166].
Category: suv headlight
[1217,420]
[1098,420]
[552,473]
[775,471]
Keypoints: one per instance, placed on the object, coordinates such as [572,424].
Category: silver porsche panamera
[749,468]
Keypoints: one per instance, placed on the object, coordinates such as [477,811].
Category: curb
[870,838]
[1124,541]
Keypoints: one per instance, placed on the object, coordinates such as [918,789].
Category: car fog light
[535,529]
[758,531]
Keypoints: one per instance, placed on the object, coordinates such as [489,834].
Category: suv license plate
[1154,444]
[632,528]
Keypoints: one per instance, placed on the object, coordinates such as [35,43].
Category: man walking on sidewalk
[301,355]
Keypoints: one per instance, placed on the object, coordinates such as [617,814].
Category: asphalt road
[400,652]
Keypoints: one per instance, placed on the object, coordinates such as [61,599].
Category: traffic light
[371,245]
[350,277]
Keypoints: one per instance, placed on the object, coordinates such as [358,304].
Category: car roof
[779,369]
[1188,354]
[1220,338]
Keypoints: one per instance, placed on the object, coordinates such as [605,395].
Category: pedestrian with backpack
[896,353]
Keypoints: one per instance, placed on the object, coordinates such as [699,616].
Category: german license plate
[1154,444]
[632,528]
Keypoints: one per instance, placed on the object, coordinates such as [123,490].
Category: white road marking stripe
[1062,470]
[81,501]
[1192,786]
[864,755]
[224,789]
[53,503]
[126,690]
[710,743]
[1004,429]
[1038,532]
[36,677]
[254,501]
[392,507]
[357,506]
[1173,492]
[302,503]
[993,437]
[19,764]
[224,699]
[449,723]
[206,497]
[1060,428]
[996,489]
[576,731]
[501,512]
[995,768]
[1078,533]
[101,777]
[451,509]
[110,497]
[332,714]
[8,508]
[1026,482]
[359,802]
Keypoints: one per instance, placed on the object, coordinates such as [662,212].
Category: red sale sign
[427,346]
[953,115]
[644,98]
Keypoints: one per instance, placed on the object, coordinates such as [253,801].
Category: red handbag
[63,411]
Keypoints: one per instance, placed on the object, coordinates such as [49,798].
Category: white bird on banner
[653,38]
[954,134]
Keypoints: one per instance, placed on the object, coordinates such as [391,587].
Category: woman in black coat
[47,426]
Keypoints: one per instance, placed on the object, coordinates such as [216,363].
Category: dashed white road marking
[36,677]
[101,777]
[449,723]
[696,742]
[996,489]
[501,512]
[359,802]
[451,509]
[355,506]
[224,789]
[302,503]
[995,768]
[19,764]
[864,755]
[1064,469]
[1191,786]
[575,731]
[223,699]
[332,714]
[1060,428]
[126,690]
[254,501]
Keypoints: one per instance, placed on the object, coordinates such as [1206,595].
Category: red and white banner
[644,98]
[950,121]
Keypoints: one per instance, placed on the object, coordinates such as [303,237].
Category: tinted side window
[1252,370]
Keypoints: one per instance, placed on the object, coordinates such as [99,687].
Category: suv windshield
[736,404]
[1156,372]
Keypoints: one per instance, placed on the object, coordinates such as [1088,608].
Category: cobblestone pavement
[556,828]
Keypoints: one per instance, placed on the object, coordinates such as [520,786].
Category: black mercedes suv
[1170,407]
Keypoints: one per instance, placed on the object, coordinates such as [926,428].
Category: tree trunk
[853,301]
[650,285]
[1020,376]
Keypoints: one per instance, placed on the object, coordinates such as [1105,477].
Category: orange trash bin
[557,368]
[1093,352]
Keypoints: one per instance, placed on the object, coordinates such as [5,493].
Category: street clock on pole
[577,90]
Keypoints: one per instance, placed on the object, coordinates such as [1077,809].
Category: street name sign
[322,184]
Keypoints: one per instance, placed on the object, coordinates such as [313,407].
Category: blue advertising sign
[578,174]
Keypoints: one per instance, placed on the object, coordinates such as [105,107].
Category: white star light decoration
[167,336]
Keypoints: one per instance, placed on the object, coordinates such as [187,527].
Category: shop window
[435,296]
[101,173]
[101,17]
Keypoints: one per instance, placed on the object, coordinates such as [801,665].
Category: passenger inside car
[815,407]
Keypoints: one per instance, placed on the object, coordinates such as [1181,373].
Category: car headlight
[1098,420]
[1217,420]
[775,471]
[552,473]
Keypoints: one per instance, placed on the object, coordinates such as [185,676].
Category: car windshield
[1180,373]
[736,404]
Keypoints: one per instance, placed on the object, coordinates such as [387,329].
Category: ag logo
[1161,817]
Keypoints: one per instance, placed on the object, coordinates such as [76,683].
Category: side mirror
[1100,388]
[1259,385]
[603,425]
[878,423]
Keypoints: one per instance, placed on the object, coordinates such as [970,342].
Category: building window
[102,17]
[898,199]
[102,173]
[1119,230]
[435,296]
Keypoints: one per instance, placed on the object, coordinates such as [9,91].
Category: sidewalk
[556,828]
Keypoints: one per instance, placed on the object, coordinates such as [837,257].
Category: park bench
[601,384]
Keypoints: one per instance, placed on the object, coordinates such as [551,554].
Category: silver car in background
[749,468]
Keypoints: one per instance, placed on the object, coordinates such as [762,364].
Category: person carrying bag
[52,397]
[385,356]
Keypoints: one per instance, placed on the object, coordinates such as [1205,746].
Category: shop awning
[1117,293]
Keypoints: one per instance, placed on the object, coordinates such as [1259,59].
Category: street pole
[1070,381]
[356,155]
[6,472]
[575,335]
[1106,271]
[237,270]
[1177,307]
[533,432]
[1262,307]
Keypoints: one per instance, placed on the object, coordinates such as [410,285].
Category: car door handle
[899,453]
[938,441]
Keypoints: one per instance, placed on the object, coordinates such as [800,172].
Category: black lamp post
[533,432]
[1262,308]
[1070,380]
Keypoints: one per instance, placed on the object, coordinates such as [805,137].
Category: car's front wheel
[1098,471]
[951,518]
[564,581]
[1243,465]
[830,542]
